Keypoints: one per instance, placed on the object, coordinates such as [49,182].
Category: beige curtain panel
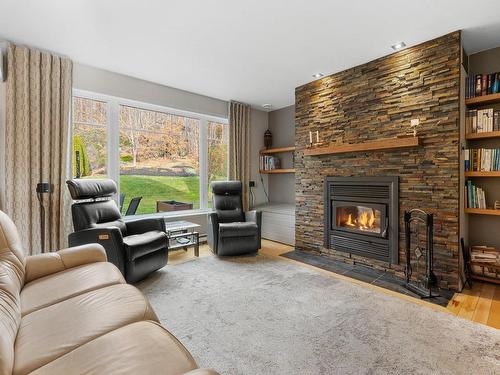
[239,146]
[37,142]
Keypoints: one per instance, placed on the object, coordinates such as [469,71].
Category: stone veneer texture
[375,101]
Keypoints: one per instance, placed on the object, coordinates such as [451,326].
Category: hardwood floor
[480,304]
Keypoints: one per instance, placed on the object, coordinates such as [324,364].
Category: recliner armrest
[145,225]
[110,238]
[41,265]
[255,216]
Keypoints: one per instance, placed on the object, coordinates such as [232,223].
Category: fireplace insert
[361,216]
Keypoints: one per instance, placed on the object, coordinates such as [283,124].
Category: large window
[164,157]
[218,148]
[89,138]
[159,159]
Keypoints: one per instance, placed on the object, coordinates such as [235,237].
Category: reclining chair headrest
[226,187]
[91,188]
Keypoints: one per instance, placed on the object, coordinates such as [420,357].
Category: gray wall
[105,82]
[282,126]
[483,229]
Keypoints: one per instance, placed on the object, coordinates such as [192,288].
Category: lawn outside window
[154,152]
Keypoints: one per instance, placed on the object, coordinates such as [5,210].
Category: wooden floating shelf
[484,135]
[277,150]
[383,144]
[278,171]
[482,174]
[485,99]
[482,211]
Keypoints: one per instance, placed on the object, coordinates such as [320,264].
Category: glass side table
[181,235]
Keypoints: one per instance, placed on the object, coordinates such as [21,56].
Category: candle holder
[314,144]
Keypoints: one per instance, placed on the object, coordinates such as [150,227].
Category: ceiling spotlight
[317,75]
[267,106]
[398,46]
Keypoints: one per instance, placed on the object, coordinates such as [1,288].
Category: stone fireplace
[368,103]
[362,216]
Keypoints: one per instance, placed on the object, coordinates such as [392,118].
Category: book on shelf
[482,120]
[268,163]
[482,84]
[475,196]
[482,160]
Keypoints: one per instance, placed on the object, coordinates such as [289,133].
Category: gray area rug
[265,315]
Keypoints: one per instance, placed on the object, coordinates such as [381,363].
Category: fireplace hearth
[361,216]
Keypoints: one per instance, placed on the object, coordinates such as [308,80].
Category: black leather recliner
[136,247]
[231,231]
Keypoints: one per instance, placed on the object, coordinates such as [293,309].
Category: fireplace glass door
[357,217]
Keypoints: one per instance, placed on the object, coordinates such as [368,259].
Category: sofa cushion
[238,229]
[138,348]
[51,332]
[12,265]
[139,245]
[66,284]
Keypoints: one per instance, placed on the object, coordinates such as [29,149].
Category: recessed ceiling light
[317,75]
[398,46]
[267,106]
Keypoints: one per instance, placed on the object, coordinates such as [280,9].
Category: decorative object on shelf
[268,139]
[420,277]
[315,136]
[497,205]
[414,124]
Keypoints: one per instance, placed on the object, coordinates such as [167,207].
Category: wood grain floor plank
[470,301]
[482,311]
[494,317]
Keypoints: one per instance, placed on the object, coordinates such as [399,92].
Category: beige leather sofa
[71,312]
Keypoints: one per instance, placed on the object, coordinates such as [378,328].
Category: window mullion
[114,143]
[203,150]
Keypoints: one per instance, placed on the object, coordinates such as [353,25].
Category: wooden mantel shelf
[382,144]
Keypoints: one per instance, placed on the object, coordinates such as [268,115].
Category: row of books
[482,120]
[482,159]
[268,163]
[482,84]
[476,197]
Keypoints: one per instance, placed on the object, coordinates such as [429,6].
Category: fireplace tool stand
[424,280]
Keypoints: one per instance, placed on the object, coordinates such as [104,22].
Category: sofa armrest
[110,238]
[46,264]
[145,225]
[202,371]
[255,217]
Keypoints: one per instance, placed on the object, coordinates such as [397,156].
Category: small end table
[181,235]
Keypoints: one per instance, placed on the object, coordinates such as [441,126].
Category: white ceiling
[253,51]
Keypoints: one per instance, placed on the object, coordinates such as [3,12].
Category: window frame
[113,104]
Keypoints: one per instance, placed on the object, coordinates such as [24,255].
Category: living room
[234,188]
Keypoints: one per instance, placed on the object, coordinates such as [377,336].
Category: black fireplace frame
[353,242]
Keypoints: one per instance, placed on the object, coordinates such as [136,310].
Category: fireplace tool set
[419,260]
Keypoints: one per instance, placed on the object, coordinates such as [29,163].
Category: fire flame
[364,221]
